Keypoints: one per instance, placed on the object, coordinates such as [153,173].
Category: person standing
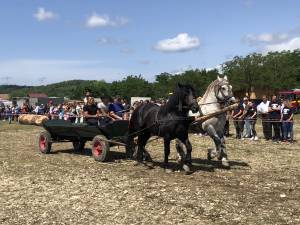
[275,116]
[236,113]
[226,128]
[242,120]
[287,121]
[263,111]
[9,113]
[25,108]
[250,119]
[78,113]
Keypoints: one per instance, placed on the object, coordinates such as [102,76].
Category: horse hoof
[211,153]
[150,165]
[136,163]
[168,170]
[179,160]
[225,163]
[186,169]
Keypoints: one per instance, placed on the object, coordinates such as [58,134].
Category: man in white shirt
[103,105]
[263,111]
[37,109]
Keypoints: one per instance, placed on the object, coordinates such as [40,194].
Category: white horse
[217,96]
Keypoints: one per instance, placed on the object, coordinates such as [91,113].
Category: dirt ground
[262,186]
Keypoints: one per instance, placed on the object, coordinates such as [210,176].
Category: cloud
[217,67]
[291,45]
[30,71]
[42,15]
[264,38]
[182,70]
[181,43]
[96,20]
[111,41]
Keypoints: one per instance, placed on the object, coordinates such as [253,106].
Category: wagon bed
[102,137]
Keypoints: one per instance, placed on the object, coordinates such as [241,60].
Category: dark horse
[169,121]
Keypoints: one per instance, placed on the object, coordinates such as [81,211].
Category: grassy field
[261,187]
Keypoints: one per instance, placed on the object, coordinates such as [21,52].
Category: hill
[61,89]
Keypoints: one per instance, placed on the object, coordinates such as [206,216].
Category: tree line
[273,71]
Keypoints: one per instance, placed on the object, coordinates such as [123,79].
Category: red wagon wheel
[44,142]
[100,148]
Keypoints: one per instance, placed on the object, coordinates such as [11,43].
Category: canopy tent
[5,102]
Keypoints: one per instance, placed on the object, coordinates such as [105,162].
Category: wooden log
[31,119]
[208,116]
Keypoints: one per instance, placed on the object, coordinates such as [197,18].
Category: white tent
[5,102]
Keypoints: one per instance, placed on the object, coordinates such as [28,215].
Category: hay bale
[31,119]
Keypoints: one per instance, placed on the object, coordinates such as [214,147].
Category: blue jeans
[9,119]
[248,128]
[287,128]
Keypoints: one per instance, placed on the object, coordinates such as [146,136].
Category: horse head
[186,98]
[223,91]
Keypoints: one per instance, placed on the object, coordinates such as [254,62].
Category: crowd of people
[276,116]
[105,110]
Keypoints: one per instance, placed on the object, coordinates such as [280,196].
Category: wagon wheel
[44,142]
[100,148]
[78,145]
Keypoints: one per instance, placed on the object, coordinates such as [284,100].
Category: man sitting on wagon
[91,112]
[103,106]
[116,109]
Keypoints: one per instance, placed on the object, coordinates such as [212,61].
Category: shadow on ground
[113,155]
[198,164]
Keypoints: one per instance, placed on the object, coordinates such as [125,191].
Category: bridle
[218,90]
[180,106]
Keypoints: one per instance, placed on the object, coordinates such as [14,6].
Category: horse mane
[173,100]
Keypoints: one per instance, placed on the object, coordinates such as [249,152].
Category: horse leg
[223,155]
[217,140]
[129,147]
[167,153]
[142,140]
[146,155]
[142,154]
[188,157]
[180,151]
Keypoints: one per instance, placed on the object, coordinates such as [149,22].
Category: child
[287,121]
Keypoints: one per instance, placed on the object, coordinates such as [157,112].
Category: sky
[47,41]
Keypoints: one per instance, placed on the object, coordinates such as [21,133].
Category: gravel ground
[262,186]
